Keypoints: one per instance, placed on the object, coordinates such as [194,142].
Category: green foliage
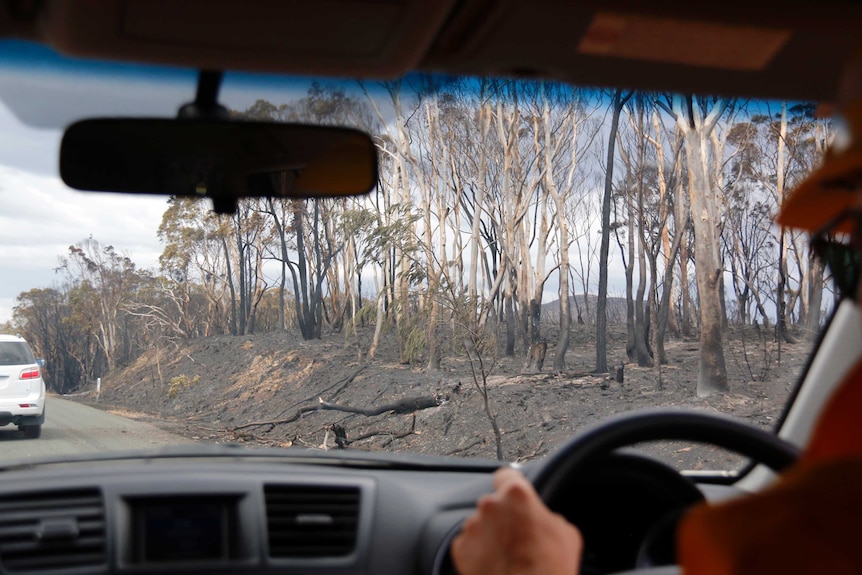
[399,231]
[465,309]
[180,383]
[413,335]
[188,231]
[366,315]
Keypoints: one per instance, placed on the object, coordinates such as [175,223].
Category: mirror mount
[205,105]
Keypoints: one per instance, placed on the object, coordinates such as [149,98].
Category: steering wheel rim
[604,437]
[662,424]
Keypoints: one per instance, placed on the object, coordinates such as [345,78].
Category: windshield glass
[535,258]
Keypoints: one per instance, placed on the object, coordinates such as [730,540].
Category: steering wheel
[599,440]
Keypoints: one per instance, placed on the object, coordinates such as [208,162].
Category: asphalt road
[72,428]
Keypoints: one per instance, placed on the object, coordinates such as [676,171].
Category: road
[72,428]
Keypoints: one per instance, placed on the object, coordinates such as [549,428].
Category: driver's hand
[512,532]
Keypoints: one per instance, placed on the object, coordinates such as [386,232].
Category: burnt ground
[267,390]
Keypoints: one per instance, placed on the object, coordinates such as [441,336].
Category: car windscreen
[529,263]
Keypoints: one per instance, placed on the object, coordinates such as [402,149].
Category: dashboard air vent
[311,521]
[52,530]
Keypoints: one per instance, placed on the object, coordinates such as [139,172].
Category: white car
[22,389]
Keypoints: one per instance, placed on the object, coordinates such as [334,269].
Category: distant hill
[616,308]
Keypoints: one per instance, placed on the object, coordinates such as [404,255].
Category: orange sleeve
[810,522]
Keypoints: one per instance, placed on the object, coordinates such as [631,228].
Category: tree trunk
[233,324]
[479,202]
[538,346]
[687,328]
[815,295]
[378,324]
[666,291]
[304,311]
[604,250]
[781,286]
[665,313]
[644,357]
[562,228]
[565,315]
[631,335]
[511,319]
[712,375]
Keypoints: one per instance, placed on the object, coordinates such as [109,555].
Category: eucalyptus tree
[697,118]
[639,183]
[672,204]
[104,280]
[395,144]
[306,237]
[581,214]
[193,257]
[618,100]
[561,157]
[512,199]
[775,150]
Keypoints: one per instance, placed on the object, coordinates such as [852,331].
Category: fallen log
[408,405]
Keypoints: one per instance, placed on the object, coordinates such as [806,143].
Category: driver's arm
[512,532]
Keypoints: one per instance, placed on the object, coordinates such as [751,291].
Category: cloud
[40,218]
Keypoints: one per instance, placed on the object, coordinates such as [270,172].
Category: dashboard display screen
[181,530]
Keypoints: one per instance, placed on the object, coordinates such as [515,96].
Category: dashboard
[243,514]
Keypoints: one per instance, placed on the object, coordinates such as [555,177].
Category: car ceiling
[790,50]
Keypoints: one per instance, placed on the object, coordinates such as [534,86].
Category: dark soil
[245,389]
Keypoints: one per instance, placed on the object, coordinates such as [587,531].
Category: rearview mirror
[222,160]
